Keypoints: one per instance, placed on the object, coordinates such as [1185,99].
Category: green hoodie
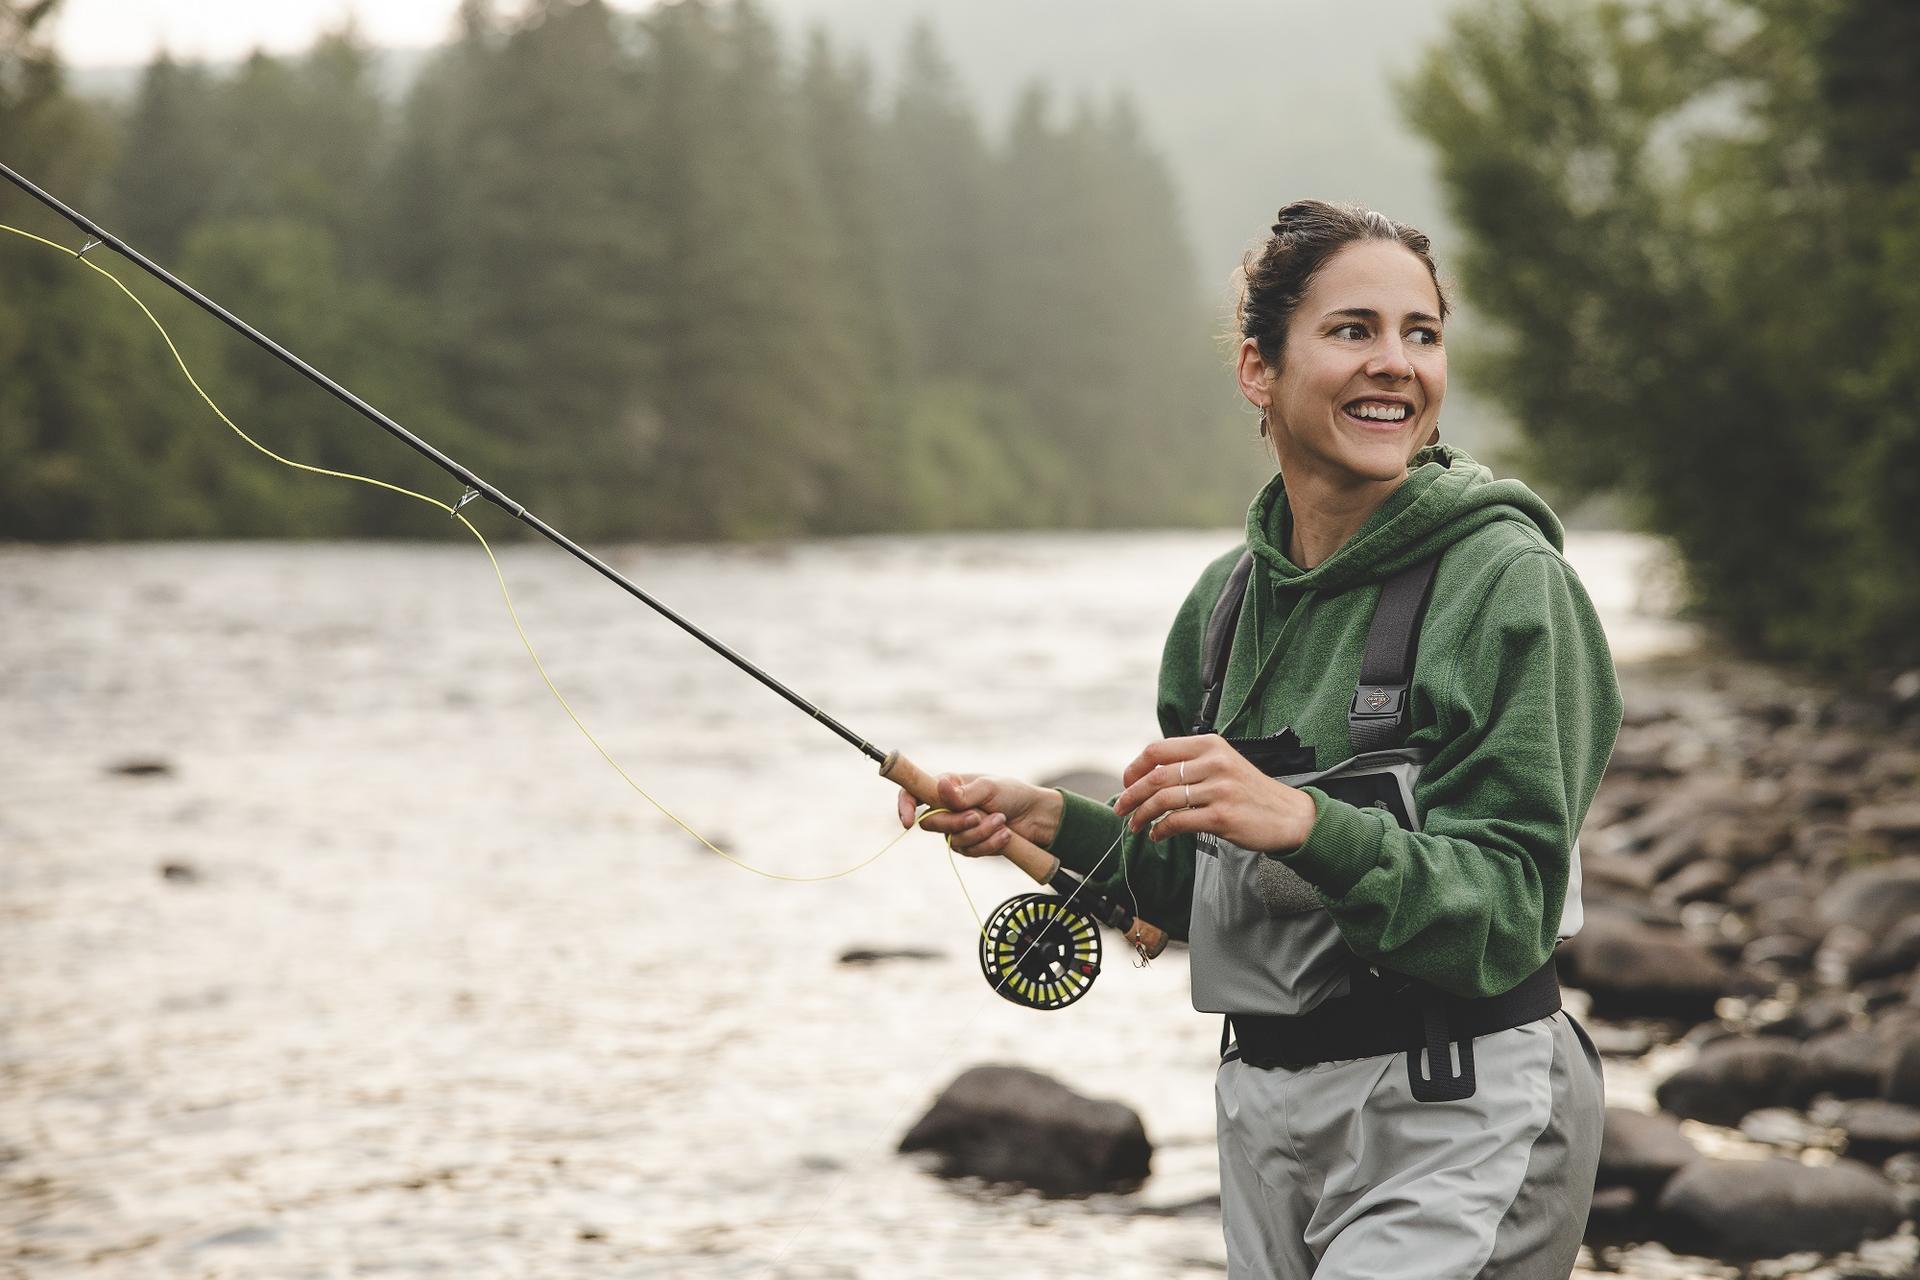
[1514,692]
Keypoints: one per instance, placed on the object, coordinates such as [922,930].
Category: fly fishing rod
[1038,949]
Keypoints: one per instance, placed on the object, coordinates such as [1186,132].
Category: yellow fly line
[505,595]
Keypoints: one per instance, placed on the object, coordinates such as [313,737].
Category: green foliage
[654,275]
[1688,231]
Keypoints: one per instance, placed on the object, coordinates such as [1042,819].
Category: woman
[1372,875]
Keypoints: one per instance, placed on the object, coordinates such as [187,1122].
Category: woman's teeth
[1379,412]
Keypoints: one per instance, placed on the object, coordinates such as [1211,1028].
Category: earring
[1263,422]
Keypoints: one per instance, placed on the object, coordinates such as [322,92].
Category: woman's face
[1361,378]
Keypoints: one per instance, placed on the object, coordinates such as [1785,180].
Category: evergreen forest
[669,275]
[655,275]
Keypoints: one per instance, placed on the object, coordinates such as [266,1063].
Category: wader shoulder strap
[1218,645]
[1377,718]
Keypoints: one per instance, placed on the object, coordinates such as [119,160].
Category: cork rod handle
[1020,851]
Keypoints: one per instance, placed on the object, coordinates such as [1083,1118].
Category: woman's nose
[1390,360]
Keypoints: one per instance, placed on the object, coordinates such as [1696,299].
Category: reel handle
[1150,940]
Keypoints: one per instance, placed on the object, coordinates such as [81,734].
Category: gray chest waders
[1266,954]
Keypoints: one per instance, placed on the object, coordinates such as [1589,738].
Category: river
[329,947]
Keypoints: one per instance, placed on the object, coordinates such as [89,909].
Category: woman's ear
[1255,376]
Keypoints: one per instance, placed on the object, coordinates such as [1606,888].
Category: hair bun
[1297,216]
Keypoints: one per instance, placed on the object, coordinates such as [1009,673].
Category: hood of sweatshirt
[1447,495]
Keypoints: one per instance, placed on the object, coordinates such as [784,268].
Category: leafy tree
[1679,228]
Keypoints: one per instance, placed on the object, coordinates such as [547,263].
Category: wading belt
[1384,1012]
[1390,1015]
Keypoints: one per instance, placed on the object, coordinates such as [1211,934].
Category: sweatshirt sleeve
[1528,710]
[1155,877]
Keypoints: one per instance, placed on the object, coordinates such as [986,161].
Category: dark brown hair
[1305,234]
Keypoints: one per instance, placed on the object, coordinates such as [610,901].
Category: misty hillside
[1253,102]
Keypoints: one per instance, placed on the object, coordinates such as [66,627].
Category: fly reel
[1040,951]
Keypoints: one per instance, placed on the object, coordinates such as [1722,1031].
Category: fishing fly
[1040,950]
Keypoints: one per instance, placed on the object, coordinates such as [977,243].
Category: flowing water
[329,947]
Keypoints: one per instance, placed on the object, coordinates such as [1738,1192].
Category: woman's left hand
[1180,785]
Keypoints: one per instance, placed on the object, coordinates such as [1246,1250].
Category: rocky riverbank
[1753,930]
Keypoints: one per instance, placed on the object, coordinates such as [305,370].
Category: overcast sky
[100,33]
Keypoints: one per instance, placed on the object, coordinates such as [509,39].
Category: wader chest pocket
[1372,791]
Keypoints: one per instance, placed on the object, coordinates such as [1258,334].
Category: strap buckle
[1373,702]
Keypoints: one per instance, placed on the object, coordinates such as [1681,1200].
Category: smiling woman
[1342,313]
[1386,716]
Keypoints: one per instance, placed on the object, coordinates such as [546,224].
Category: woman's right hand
[982,810]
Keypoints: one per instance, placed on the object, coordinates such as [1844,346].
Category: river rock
[1895,952]
[1632,969]
[1874,899]
[1816,1015]
[1706,880]
[1617,1216]
[142,768]
[881,955]
[1642,1151]
[1732,1077]
[1767,1208]
[1009,1124]
[1902,1081]
[1778,953]
[1771,883]
[1614,875]
[1898,821]
[1848,1064]
[1878,1130]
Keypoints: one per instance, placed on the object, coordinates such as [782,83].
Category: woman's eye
[1350,331]
[1426,337]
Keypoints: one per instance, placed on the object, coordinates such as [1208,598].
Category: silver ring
[1189,787]
[1183,773]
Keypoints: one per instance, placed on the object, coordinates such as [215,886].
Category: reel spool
[1040,952]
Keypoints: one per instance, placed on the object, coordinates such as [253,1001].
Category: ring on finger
[1183,773]
[1189,790]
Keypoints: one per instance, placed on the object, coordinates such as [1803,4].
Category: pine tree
[169,159]
[844,147]
[762,378]
[551,275]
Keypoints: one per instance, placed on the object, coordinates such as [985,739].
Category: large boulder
[1642,1151]
[1009,1124]
[1631,969]
[1732,1077]
[1767,1208]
